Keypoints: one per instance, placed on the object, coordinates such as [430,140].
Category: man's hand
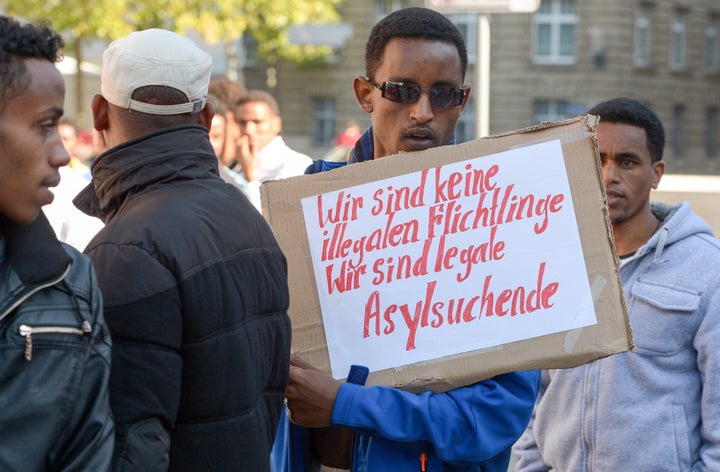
[310,394]
[246,156]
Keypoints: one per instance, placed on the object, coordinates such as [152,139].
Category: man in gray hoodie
[656,408]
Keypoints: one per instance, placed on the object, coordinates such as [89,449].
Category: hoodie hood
[678,223]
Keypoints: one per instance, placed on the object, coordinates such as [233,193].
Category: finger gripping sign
[443,267]
[449,259]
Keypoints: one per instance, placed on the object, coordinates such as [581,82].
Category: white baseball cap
[155,57]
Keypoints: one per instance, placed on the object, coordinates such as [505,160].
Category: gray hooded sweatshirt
[656,408]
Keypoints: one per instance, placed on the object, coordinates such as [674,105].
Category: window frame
[643,23]
[710,134]
[678,125]
[556,110]
[554,18]
[712,45]
[466,23]
[678,42]
[323,120]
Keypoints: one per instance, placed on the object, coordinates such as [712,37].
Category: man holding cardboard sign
[413,88]
[655,409]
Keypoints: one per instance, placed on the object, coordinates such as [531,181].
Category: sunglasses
[400,92]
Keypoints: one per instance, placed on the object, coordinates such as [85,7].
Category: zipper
[34,290]
[423,462]
[27,331]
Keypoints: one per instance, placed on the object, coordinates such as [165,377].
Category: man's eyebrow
[621,155]
[437,83]
[627,154]
[54,111]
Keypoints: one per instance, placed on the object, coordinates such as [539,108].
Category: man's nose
[59,156]
[422,110]
[610,170]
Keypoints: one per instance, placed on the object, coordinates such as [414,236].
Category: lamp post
[483,8]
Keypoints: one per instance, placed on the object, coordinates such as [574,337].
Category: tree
[216,20]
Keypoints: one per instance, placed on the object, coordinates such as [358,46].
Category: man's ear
[99,108]
[467,89]
[276,123]
[206,115]
[363,93]
[658,170]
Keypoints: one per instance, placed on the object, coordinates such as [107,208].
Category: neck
[630,235]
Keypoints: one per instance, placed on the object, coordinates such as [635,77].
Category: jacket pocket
[45,334]
[661,317]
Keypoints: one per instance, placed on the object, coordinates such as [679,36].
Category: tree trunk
[79,86]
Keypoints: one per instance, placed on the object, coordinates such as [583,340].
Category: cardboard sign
[444,267]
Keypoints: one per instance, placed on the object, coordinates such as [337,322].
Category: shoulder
[81,274]
[322,166]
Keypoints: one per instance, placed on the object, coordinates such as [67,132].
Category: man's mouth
[613,196]
[419,133]
[51,181]
[419,138]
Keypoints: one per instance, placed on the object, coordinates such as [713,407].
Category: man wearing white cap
[195,290]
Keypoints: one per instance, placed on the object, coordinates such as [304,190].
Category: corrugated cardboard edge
[611,335]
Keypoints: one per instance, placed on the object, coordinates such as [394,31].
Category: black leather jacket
[54,355]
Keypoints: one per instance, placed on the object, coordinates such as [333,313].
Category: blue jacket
[657,408]
[467,429]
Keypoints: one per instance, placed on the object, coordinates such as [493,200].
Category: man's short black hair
[412,23]
[19,42]
[632,112]
[225,90]
[219,104]
[255,95]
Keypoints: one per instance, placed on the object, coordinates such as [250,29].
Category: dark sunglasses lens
[398,92]
[446,97]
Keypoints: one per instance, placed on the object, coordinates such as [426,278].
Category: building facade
[551,64]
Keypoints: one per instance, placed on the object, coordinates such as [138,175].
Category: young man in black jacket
[194,283]
[54,344]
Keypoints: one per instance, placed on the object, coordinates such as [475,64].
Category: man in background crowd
[262,152]
[194,283]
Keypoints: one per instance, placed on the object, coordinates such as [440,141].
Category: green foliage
[216,20]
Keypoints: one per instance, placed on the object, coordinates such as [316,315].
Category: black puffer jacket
[196,296]
[54,356]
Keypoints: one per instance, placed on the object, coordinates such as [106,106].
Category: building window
[711,133]
[554,25]
[323,113]
[249,51]
[467,25]
[677,42]
[465,127]
[550,110]
[712,61]
[678,119]
[641,51]
[385,7]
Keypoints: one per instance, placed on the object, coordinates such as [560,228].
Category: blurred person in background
[226,93]
[348,136]
[218,138]
[344,143]
[70,224]
[70,136]
[262,152]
